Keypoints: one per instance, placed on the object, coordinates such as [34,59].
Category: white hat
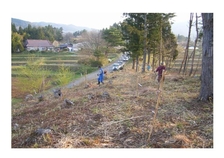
[163,63]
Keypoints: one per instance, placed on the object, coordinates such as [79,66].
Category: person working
[160,70]
[100,75]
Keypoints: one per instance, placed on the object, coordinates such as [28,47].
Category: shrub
[33,76]
[95,63]
[63,75]
[84,61]
[90,62]
[32,51]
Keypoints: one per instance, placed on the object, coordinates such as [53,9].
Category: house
[41,45]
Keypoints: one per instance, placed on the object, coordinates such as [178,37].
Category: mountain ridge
[66,27]
[177,28]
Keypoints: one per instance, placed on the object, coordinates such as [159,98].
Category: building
[41,45]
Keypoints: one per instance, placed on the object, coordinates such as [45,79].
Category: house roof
[38,43]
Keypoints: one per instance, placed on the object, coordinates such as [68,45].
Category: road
[90,76]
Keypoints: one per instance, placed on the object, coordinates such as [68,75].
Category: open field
[52,63]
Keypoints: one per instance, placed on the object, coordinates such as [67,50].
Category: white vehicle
[125,58]
[121,64]
[116,66]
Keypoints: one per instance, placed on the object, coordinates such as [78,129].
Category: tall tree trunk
[199,56]
[153,60]
[133,63]
[148,60]
[171,61]
[137,62]
[195,45]
[207,57]
[187,46]
[161,43]
[145,39]
[189,37]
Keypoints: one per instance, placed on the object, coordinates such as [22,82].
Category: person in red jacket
[160,70]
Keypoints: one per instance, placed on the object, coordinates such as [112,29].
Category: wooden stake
[160,88]
[137,85]
[85,76]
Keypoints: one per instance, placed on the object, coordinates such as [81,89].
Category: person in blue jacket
[148,67]
[100,75]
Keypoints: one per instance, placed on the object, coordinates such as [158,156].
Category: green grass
[113,56]
[50,62]
[29,71]
[53,70]
[57,58]
[41,54]
[16,101]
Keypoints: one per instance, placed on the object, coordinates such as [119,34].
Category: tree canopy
[153,29]
[31,32]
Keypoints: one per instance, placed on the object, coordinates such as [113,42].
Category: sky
[99,14]
[95,20]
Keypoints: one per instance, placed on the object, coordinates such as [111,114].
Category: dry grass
[117,114]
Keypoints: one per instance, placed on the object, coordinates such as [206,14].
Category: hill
[126,112]
[66,28]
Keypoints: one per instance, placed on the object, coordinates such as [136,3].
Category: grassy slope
[118,114]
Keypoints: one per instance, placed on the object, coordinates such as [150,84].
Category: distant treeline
[45,33]
[20,35]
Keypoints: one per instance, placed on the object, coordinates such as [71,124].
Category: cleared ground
[118,114]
